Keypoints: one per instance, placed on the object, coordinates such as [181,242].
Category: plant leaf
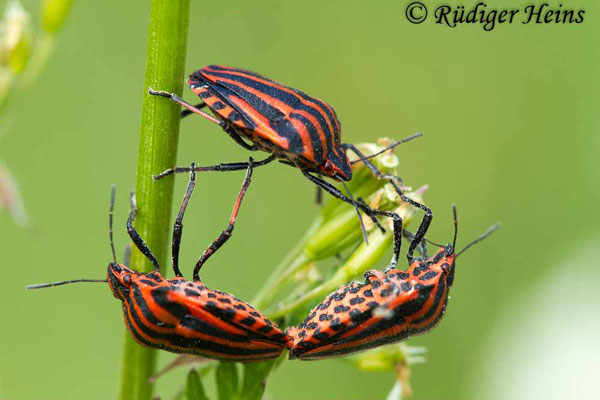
[227,381]
[194,389]
[255,380]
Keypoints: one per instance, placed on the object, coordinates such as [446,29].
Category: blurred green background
[510,122]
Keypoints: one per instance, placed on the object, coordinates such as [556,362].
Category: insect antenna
[410,236]
[484,235]
[111,211]
[45,285]
[390,147]
[362,225]
[455,225]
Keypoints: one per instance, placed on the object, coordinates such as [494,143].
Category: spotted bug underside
[187,317]
[387,308]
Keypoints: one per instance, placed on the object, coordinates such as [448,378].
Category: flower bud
[337,229]
[16,37]
[54,13]
[10,198]
[363,182]
[396,357]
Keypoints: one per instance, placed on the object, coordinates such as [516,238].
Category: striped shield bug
[187,317]
[390,306]
[297,129]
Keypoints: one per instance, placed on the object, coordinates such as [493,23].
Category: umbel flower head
[336,231]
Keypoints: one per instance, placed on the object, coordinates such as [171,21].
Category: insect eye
[127,280]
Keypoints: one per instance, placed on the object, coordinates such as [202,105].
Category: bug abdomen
[387,309]
[296,122]
[168,318]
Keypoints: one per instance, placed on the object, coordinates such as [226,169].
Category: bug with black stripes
[187,317]
[297,129]
[390,306]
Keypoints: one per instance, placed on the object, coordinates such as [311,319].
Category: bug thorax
[337,165]
[443,261]
[120,279]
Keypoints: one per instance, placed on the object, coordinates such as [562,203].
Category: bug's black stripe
[327,109]
[406,309]
[368,338]
[202,347]
[160,296]
[139,299]
[440,296]
[224,314]
[359,345]
[315,139]
[195,343]
[337,125]
[415,305]
[278,121]
[223,94]
[148,282]
[205,329]
[262,106]
[134,332]
[365,342]
[230,69]
[278,91]
[281,95]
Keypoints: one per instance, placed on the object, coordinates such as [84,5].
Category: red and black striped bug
[187,317]
[392,305]
[297,129]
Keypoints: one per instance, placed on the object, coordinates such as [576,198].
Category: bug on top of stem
[297,129]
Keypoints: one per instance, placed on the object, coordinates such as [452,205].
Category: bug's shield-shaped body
[387,308]
[278,119]
[186,317]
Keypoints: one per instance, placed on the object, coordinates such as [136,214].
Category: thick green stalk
[165,63]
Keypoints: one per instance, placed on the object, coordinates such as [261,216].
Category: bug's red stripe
[264,84]
[175,344]
[186,317]
[302,129]
[273,88]
[414,306]
[383,331]
[325,110]
[320,115]
[209,345]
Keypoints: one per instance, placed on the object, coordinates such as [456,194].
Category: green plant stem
[165,63]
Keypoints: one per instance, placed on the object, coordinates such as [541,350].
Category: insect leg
[238,166]
[184,104]
[371,212]
[186,112]
[135,236]
[319,194]
[178,226]
[226,234]
[237,138]
[396,182]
